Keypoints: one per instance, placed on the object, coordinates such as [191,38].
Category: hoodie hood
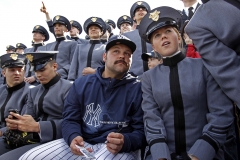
[127,78]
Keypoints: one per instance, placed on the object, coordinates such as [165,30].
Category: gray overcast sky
[18,17]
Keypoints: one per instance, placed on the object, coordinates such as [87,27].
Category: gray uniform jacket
[13,98]
[185,111]
[45,104]
[81,56]
[217,38]
[137,62]
[66,50]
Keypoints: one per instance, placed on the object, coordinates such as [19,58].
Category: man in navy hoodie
[102,112]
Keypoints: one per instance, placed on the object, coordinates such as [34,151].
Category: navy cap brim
[145,56]
[125,42]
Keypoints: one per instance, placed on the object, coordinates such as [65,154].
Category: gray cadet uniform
[137,66]
[36,47]
[13,98]
[81,56]
[196,122]
[185,111]
[45,103]
[89,54]
[65,47]
[66,50]
[218,46]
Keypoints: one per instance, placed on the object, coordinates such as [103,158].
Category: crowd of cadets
[77,57]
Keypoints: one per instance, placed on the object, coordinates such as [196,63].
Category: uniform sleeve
[51,27]
[221,61]
[50,130]
[74,65]
[30,108]
[153,124]
[136,139]
[71,126]
[219,118]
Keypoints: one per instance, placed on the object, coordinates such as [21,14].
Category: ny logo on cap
[125,17]
[154,15]
[14,56]
[57,17]
[94,19]
[139,2]
[122,37]
[29,57]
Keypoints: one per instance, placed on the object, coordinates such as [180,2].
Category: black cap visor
[159,25]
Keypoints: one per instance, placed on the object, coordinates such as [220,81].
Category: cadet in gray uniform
[124,24]
[186,114]
[44,106]
[40,35]
[76,28]
[20,48]
[13,95]
[65,47]
[137,12]
[88,57]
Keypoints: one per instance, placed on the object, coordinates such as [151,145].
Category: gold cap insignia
[14,56]
[139,2]
[29,57]
[94,19]
[57,17]
[154,15]
[125,17]
[37,27]
[18,44]
[71,22]
[106,21]
[8,46]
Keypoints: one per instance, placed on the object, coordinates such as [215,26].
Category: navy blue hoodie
[93,100]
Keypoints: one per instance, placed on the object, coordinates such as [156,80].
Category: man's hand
[88,70]
[115,142]
[24,123]
[78,141]
[1,133]
[30,79]
[43,8]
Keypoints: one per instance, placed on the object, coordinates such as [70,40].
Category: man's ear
[105,57]
[55,66]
